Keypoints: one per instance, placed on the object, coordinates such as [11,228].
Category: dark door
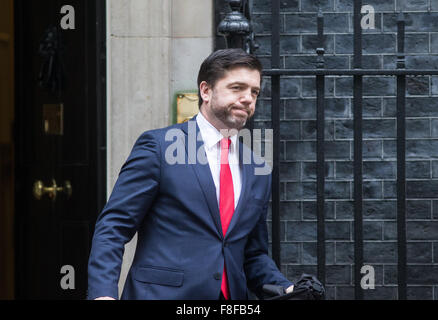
[60,142]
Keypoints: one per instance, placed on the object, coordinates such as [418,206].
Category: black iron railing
[357,72]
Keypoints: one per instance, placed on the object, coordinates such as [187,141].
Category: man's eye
[255,92]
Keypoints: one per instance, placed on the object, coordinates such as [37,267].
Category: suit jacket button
[217,276]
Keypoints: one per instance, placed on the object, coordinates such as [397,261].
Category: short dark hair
[219,62]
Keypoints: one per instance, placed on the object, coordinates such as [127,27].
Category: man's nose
[247,97]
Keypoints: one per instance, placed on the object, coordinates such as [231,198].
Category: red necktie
[226,202]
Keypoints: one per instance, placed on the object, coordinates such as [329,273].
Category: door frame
[100,142]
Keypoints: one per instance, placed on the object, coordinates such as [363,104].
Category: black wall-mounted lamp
[236,27]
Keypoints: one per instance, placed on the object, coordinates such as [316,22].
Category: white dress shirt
[212,137]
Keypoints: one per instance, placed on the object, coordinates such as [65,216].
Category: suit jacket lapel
[202,171]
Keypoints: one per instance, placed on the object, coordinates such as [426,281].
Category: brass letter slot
[186,106]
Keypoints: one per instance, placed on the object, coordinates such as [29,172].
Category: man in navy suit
[200,215]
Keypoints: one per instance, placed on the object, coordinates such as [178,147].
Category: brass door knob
[39,190]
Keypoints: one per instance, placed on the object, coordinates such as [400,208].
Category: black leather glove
[308,287]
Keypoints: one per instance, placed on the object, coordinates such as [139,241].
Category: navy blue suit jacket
[180,248]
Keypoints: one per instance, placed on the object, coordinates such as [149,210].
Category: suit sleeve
[260,269]
[130,200]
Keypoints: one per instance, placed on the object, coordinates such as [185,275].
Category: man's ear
[205,91]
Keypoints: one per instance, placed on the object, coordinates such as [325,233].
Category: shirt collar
[210,135]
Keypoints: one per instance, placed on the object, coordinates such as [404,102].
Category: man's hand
[290,289]
[105,298]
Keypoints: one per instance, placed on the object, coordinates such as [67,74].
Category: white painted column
[154,49]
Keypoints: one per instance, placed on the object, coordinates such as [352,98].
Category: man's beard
[226,117]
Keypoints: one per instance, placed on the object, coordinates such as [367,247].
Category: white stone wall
[192,41]
[154,49]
